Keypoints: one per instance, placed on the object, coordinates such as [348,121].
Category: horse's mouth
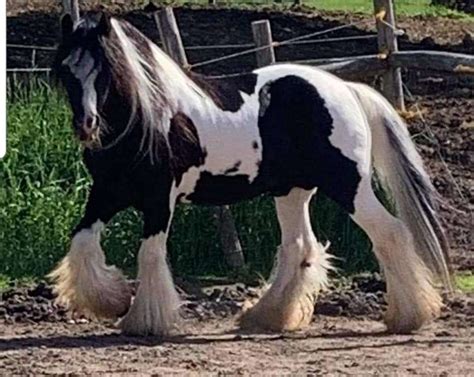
[89,140]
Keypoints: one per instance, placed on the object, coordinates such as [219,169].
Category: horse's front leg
[155,307]
[83,281]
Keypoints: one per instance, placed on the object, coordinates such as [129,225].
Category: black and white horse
[155,136]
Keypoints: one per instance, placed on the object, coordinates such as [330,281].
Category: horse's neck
[177,85]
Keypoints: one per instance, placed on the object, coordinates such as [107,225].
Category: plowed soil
[346,336]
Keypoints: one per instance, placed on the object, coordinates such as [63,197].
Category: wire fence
[247,47]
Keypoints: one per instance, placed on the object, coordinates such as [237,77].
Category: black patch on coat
[225,92]
[255,145]
[122,176]
[185,146]
[295,131]
[233,169]
[222,189]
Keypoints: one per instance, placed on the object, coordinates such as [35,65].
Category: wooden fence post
[387,43]
[229,238]
[262,35]
[173,45]
[71,7]
[170,36]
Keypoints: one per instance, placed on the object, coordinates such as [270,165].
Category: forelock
[81,63]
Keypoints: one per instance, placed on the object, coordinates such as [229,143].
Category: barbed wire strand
[329,40]
[219,47]
[28,70]
[31,47]
[275,44]
[397,31]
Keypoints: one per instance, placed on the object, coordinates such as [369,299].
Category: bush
[44,187]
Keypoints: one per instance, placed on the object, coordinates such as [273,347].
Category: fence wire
[277,44]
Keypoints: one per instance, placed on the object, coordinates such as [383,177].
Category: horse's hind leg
[412,299]
[300,271]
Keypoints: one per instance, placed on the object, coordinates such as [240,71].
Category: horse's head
[83,70]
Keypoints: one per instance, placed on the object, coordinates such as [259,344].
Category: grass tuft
[465,282]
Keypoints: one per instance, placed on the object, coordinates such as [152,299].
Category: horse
[154,135]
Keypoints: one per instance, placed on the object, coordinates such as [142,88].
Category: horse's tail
[400,169]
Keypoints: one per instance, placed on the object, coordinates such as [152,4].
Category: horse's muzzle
[87,130]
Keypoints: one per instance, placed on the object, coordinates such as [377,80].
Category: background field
[402,7]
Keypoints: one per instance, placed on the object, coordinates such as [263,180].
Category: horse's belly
[221,189]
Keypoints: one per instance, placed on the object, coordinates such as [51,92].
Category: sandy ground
[329,346]
[37,337]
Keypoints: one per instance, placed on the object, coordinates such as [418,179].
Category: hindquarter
[314,135]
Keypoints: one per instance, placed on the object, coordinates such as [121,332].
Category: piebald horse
[155,136]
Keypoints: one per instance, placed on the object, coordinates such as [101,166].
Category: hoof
[152,313]
[141,321]
[412,302]
[411,319]
[274,316]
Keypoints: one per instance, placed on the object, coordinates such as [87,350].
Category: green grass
[43,192]
[402,7]
[465,282]
[4,282]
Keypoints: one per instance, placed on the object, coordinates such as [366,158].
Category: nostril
[89,123]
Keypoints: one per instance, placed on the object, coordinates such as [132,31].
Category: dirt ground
[346,337]
[328,346]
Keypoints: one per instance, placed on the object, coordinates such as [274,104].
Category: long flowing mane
[146,76]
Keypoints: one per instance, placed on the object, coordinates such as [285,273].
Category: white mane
[153,78]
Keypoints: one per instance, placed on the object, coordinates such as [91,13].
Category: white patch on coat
[226,136]
[265,98]
[81,64]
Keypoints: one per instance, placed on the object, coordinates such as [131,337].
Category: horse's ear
[104,26]
[67,26]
